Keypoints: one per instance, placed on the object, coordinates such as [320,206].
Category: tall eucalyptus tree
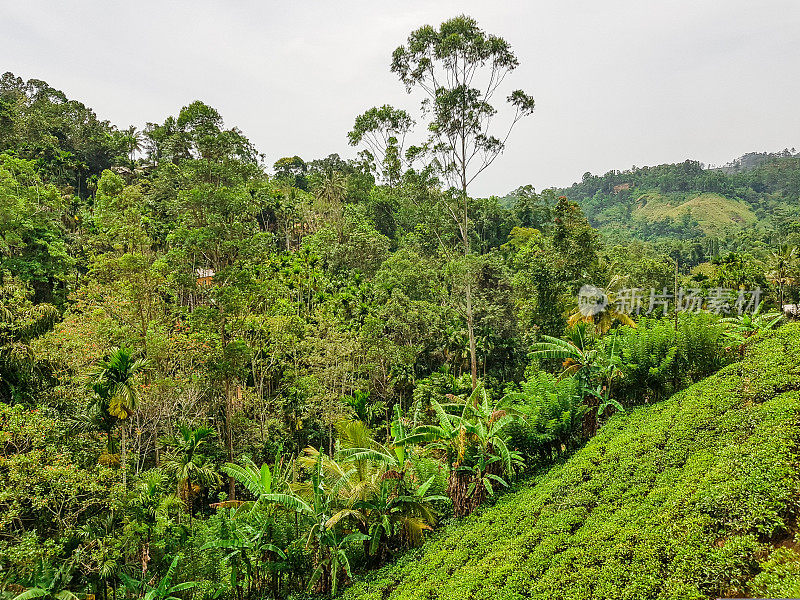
[460,68]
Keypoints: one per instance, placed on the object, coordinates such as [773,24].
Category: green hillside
[737,204]
[714,213]
[695,497]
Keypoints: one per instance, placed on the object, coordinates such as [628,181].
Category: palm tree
[320,502]
[97,537]
[365,410]
[116,397]
[358,445]
[784,270]
[133,142]
[188,465]
[330,483]
[603,320]
[393,511]
[330,192]
[147,506]
[332,188]
[593,370]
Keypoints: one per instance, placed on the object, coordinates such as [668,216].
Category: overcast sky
[617,82]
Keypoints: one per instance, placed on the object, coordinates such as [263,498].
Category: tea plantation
[694,497]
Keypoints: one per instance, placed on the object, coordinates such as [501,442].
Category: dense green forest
[221,379]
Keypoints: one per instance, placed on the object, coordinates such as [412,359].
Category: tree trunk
[458,485]
[228,410]
[590,420]
[473,359]
[122,463]
[229,435]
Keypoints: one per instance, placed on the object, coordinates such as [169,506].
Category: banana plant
[395,455]
[593,369]
[741,327]
[333,559]
[51,584]
[577,357]
[164,590]
[317,502]
[473,442]
[249,541]
[607,368]
[249,550]
[481,424]
[326,534]
[261,482]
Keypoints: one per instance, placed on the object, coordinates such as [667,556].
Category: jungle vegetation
[221,379]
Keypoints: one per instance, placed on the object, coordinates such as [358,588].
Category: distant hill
[755,193]
[751,160]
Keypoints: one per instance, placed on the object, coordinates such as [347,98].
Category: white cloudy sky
[617,82]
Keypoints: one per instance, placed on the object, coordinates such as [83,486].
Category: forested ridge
[221,379]
[750,200]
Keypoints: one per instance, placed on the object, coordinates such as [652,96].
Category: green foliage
[187,465]
[680,499]
[33,238]
[66,139]
[47,493]
[746,325]
[649,366]
[656,359]
[779,576]
[21,321]
[554,411]
[171,312]
[726,207]
[165,589]
[383,131]
[50,583]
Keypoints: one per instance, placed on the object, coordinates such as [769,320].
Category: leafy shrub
[648,361]
[657,360]
[701,345]
[553,411]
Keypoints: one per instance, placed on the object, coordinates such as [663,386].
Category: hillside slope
[715,214]
[687,201]
[695,497]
